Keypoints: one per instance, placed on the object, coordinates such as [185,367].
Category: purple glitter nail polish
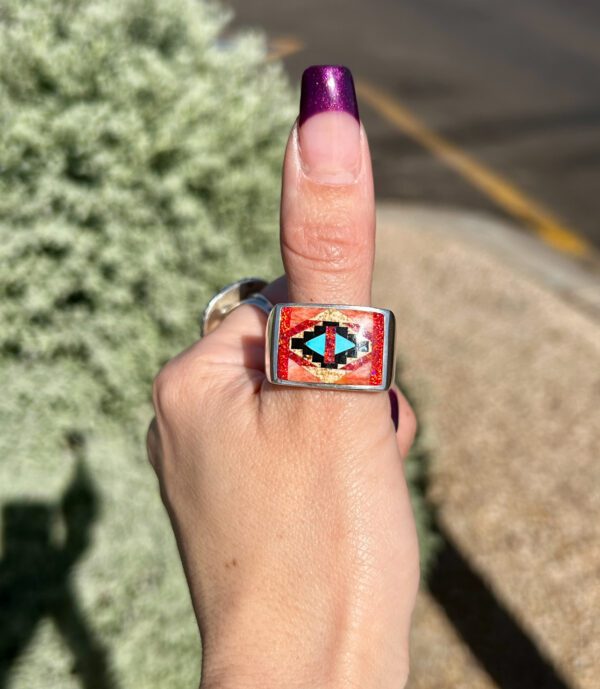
[327,88]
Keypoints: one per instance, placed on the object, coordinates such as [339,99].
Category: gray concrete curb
[574,281]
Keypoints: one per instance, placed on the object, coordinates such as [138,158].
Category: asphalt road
[514,84]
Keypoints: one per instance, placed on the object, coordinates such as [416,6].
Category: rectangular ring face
[330,346]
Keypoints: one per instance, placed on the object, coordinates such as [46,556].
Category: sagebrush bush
[139,161]
[140,158]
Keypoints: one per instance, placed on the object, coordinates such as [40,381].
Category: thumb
[327,209]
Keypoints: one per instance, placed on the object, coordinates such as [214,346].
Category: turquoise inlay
[317,344]
[342,344]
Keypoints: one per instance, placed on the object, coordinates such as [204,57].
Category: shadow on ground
[494,636]
[36,581]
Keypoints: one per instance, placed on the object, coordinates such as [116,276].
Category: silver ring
[331,346]
[244,291]
[260,301]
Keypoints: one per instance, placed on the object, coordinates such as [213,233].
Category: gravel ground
[506,374]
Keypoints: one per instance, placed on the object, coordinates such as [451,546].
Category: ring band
[259,300]
[230,297]
[330,346]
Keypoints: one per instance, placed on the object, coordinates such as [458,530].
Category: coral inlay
[333,346]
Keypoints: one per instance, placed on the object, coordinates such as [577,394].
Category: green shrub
[140,164]
[140,170]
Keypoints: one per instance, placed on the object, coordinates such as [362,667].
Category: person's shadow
[35,578]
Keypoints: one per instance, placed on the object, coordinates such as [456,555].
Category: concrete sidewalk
[502,355]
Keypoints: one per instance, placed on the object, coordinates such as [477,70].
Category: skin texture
[290,506]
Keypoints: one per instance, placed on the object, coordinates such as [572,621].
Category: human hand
[289,505]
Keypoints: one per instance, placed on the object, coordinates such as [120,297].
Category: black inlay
[341,359]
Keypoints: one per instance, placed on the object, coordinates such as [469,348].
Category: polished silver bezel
[388,348]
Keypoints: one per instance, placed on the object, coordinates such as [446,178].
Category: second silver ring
[244,291]
[260,301]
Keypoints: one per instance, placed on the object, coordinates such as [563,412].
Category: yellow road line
[283,46]
[501,191]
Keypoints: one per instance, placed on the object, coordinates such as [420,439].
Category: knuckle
[334,254]
[168,388]
[329,236]
[183,384]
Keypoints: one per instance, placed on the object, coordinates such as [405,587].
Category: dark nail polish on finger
[394,407]
[327,88]
[328,125]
